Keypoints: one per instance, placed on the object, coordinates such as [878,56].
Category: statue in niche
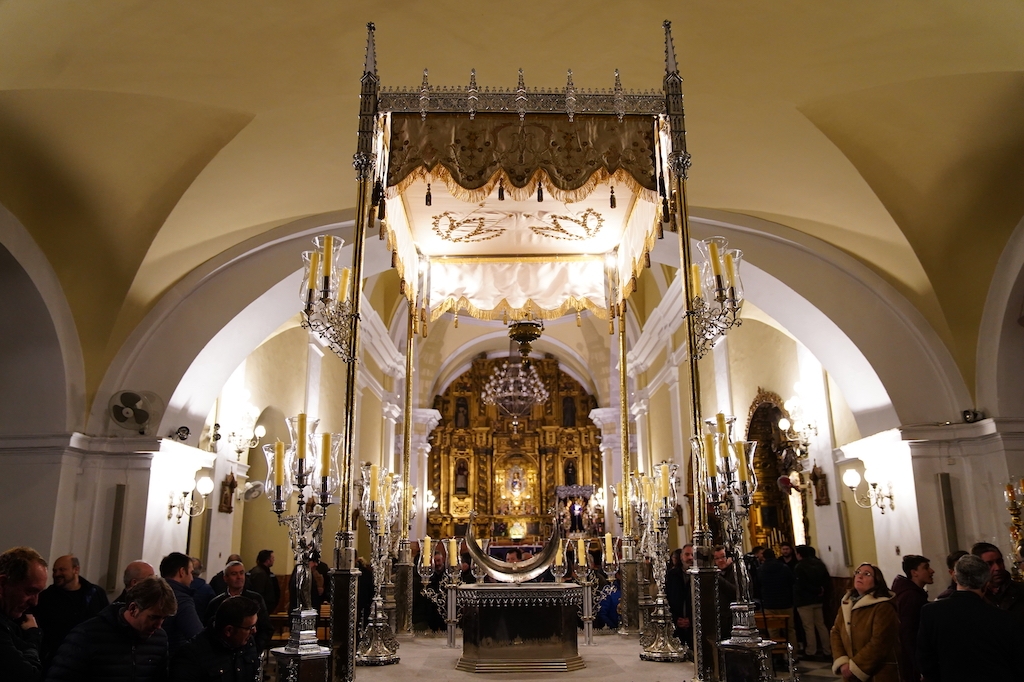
[576,516]
[568,411]
[570,472]
[461,413]
[461,477]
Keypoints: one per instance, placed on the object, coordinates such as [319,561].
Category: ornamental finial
[670,50]
[370,66]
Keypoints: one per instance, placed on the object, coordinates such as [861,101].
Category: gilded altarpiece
[510,471]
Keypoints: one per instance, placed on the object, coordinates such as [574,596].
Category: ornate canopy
[504,204]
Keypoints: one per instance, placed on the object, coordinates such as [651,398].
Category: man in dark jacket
[225,651]
[263,580]
[123,643]
[22,579]
[777,594]
[234,580]
[964,638]
[134,573]
[70,600]
[677,591]
[951,560]
[217,582]
[176,569]
[910,597]
[811,578]
[1001,592]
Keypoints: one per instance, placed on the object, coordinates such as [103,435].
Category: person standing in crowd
[234,580]
[726,590]
[176,569]
[677,591]
[811,579]
[864,637]
[134,573]
[777,594]
[203,593]
[225,651]
[1003,592]
[70,600]
[910,597]
[965,638]
[263,580]
[125,643]
[951,560]
[787,556]
[217,581]
[22,579]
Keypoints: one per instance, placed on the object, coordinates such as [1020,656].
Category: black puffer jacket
[19,652]
[207,659]
[107,649]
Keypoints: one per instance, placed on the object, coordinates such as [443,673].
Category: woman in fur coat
[866,634]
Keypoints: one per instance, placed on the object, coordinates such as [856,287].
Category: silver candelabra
[292,469]
[381,507]
[446,598]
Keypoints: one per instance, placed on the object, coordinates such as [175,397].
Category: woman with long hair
[866,633]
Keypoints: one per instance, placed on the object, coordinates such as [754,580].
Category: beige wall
[760,357]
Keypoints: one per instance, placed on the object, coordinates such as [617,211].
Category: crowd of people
[167,623]
[971,631]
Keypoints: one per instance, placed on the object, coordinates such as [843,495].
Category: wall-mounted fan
[134,410]
[252,490]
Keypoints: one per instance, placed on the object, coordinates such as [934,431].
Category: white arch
[201,330]
[53,395]
[1000,360]
[460,360]
[891,366]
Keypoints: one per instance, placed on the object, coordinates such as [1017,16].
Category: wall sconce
[245,438]
[429,501]
[874,496]
[185,503]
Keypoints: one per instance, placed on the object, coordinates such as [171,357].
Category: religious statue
[570,472]
[568,411]
[576,516]
[461,413]
[461,478]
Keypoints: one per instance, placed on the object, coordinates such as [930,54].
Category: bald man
[70,600]
[134,573]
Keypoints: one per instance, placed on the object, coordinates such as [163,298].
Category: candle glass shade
[312,464]
[708,249]
[335,279]
[289,482]
[749,447]
[711,426]
[736,292]
[333,475]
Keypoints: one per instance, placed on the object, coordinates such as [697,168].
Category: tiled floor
[611,659]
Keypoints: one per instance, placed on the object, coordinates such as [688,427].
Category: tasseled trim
[503,311]
[504,184]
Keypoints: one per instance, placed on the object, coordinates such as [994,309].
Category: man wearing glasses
[224,651]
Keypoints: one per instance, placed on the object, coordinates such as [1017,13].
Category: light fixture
[429,501]
[873,497]
[327,307]
[717,293]
[797,430]
[185,502]
[515,387]
[245,437]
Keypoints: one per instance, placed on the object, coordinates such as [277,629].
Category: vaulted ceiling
[140,138]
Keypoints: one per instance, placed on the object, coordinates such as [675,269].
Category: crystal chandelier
[515,387]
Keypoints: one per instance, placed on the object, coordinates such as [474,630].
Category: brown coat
[866,635]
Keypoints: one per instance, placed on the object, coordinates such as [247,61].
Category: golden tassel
[401,286]
[579,321]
